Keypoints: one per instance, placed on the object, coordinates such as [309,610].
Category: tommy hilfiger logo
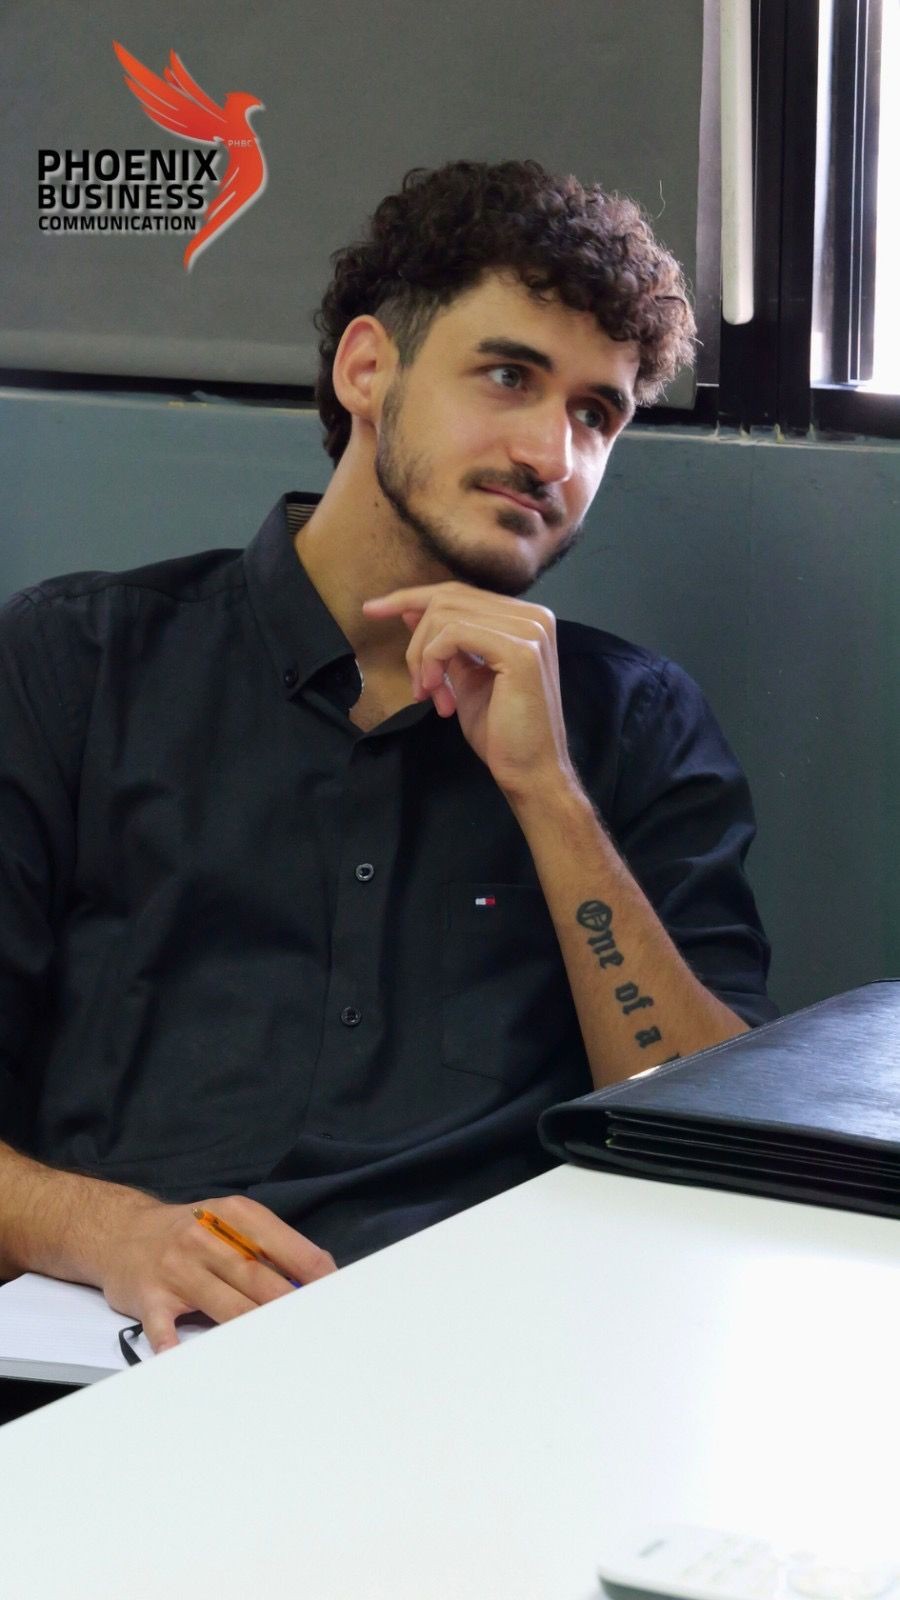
[485,900]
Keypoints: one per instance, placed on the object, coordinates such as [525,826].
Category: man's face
[506,394]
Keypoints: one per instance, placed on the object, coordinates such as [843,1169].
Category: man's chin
[484,566]
[501,570]
[490,569]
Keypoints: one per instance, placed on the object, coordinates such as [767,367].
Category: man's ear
[364,364]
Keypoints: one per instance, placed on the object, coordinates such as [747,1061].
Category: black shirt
[245,946]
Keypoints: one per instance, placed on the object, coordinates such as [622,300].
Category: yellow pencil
[238,1241]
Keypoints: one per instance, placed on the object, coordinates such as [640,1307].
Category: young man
[330,863]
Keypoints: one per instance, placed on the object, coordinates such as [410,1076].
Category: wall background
[769,569]
[353,96]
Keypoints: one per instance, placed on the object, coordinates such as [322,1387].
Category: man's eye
[597,419]
[600,422]
[516,372]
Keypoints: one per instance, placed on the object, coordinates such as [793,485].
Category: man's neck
[353,549]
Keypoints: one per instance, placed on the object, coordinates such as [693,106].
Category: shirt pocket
[507,1008]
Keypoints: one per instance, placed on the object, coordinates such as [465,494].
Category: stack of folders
[803,1108]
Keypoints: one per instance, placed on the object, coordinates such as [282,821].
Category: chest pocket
[507,1007]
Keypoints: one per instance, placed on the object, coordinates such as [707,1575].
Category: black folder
[803,1108]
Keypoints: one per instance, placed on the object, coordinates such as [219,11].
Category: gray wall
[354,95]
[769,569]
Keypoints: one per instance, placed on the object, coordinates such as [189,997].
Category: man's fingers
[494,642]
[220,1301]
[255,1281]
[458,597]
[454,613]
[451,603]
[159,1326]
[213,1296]
[299,1257]
[499,651]
[168,1263]
[291,1251]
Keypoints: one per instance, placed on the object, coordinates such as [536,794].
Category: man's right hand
[158,1262]
[152,1260]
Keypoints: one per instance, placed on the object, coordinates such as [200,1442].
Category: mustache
[551,510]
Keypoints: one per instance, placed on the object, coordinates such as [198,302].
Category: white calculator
[708,1564]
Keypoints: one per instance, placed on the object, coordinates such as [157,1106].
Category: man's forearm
[57,1222]
[637,1000]
[148,1256]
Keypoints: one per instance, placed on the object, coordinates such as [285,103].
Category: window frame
[764,365]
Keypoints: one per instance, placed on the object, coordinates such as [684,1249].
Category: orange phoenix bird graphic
[178,103]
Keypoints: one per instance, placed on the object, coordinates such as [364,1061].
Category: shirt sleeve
[684,824]
[38,779]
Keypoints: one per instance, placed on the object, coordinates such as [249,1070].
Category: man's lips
[517,499]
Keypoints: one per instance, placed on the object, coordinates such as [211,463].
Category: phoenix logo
[178,103]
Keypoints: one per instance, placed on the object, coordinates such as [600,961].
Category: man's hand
[491,660]
[159,1262]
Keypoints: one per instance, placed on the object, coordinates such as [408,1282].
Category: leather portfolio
[803,1108]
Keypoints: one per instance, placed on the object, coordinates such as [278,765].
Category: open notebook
[58,1332]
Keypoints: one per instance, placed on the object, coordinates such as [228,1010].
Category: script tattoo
[596,916]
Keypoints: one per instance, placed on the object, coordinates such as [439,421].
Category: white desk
[461,1416]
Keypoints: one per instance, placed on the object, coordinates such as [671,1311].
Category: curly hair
[446,227]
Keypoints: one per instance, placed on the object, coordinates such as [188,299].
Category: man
[328,864]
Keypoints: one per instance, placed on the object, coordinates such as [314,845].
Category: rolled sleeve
[685,822]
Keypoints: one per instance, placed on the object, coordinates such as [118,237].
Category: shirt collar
[300,633]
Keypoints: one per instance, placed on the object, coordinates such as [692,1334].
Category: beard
[401,474]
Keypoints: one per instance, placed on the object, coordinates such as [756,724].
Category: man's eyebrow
[511,350]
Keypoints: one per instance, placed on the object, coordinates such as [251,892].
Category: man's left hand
[492,661]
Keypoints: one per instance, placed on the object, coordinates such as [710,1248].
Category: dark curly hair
[446,227]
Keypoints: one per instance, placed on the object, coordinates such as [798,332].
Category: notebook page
[61,1332]
[66,1333]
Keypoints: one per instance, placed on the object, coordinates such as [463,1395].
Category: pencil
[238,1241]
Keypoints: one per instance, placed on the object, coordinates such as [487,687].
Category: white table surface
[472,1413]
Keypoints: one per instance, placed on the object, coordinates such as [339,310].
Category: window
[886,366]
[855,331]
[823,348]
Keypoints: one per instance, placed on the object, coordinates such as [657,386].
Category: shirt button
[289,677]
[350,1016]
[365,871]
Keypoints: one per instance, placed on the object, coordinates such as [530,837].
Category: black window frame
[764,365]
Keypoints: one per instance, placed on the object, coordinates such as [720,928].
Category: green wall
[769,569]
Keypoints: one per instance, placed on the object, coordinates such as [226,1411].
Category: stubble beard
[401,475]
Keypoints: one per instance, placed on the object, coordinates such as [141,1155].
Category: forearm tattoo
[596,916]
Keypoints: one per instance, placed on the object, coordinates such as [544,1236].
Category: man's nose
[543,443]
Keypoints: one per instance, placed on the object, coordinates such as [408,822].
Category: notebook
[55,1332]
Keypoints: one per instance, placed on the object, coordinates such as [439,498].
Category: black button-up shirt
[245,946]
